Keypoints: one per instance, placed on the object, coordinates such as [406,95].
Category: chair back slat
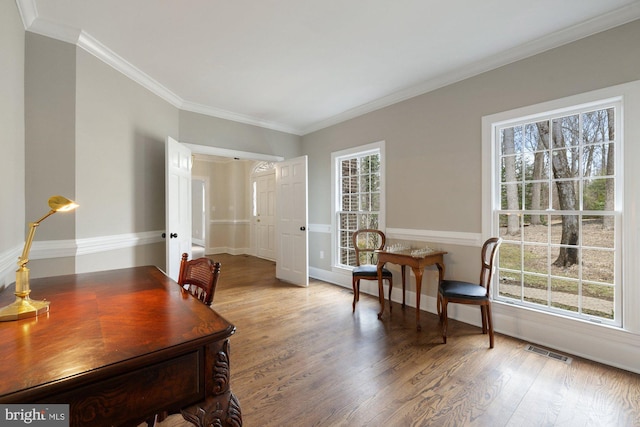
[365,242]
[489,251]
[199,277]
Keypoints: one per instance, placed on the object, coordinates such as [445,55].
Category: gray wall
[12,199]
[433,141]
[211,131]
[50,139]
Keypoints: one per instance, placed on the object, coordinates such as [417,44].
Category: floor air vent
[549,354]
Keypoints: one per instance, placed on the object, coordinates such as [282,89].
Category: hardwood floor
[300,357]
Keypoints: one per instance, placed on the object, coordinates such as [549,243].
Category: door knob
[303,228]
[164,235]
[172,235]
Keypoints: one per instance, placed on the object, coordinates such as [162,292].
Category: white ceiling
[300,65]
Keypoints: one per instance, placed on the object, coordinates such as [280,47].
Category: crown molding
[103,53]
[236,117]
[28,12]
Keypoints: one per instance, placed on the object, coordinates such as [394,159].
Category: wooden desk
[417,264]
[119,346]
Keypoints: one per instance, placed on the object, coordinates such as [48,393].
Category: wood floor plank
[300,357]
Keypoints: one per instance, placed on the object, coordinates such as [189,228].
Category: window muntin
[556,211]
[359,199]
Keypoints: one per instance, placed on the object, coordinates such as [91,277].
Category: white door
[292,264]
[178,205]
[265,219]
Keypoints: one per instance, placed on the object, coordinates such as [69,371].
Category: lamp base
[23,308]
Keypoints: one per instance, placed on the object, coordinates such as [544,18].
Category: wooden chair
[365,242]
[471,293]
[199,277]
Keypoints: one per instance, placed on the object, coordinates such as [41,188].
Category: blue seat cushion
[370,271]
[456,289]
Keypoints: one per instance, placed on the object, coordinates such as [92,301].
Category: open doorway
[225,217]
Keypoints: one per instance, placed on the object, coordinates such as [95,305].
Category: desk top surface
[101,324]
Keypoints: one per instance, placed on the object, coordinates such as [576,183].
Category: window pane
[595,194]
[508,137]
[536,196]
[599,125]
[365,202]
[375,182]
[510,226]
[566,131]
[598,300]
[536,259]
[511,168]
[537,233]
[536,166]
[564,229]
[510,257]
[365,184]
[595,161]
[535,289]
[564,294]
[511,196]
[375,202]
[559,264]
[597,266]
[598,231]
[509,285]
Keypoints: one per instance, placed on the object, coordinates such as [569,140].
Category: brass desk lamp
[24,306]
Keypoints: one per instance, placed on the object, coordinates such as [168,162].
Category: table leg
[380,291]
[418,273]
[403,284]
[220,407]
[440,265]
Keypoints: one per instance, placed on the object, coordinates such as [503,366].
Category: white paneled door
[265,219]
[178,205]
[292,246]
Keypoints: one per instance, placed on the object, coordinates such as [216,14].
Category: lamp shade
[61,204]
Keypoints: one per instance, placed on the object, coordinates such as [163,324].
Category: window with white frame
[557,203]
[358,176]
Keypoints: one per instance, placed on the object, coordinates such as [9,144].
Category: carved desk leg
[221,407]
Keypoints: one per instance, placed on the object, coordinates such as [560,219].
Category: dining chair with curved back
[366,242]
[471,293]
[199,277]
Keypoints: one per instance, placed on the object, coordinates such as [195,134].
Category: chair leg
[356,291]
[483,313]
[490,325]
[445,322]
[390,288]
[439,306]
